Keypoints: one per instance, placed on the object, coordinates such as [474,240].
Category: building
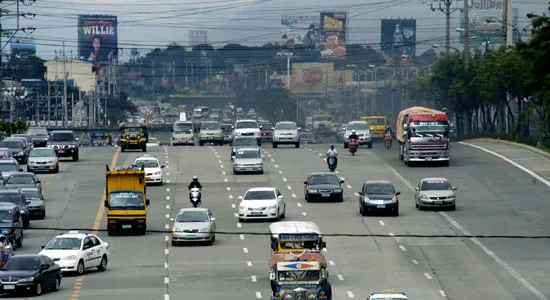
[198,37]
[80,71]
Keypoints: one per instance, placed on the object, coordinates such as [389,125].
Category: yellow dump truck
[126,201]
[377,125]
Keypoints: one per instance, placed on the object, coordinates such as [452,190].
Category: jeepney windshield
[132,129]
[289,245]
[376,121]
[127,200]
[293,276]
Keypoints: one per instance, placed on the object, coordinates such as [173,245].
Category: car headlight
[312,191]
[50,161]
[423,197]
[338,190]
[128,137]
[204,229]
[157,172]
[70,257]
[26,279]
[394,199]
[272,206]
[241,207]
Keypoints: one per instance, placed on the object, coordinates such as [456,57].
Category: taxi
[387,295]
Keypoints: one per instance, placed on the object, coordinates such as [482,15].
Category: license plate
[249,169]
[126,226]
[9,287]
[256,213]
[429,158]
[325,194]
[61,151]
[438,202]
[381,206]
[191,236]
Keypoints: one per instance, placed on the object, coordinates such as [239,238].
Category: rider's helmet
[331,146]
[195,178]
[353,132]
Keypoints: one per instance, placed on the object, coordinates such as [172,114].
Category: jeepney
[133,135]
[298,269]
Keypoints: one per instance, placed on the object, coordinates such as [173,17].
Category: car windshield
[12,144]
[293,276]
[32,194]
[246,124]
[37,131]
[42,152]
[248,154]
[245,142]
[435,185]
[8,168]
[286,126]
[182,127]
[22,263]
[358,126]
[210,126]
[20,179]
[62,137]
[376,122]
[192,216]
[147,163]
[379,189]
[227,128]
[324,179]
[5,217]
[260,195]
[126,200]
[266,126]
[64,243]
[12,198]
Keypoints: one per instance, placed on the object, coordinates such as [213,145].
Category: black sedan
[323,186]
[30,273]
[378,196]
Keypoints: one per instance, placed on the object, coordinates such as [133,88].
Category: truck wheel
[122,149]
[144,148]
[110,231]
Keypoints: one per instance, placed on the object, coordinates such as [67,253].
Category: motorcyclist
[388,131]
[195,183]
[332,153]
[353,136]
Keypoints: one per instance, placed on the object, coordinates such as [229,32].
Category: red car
[266,131]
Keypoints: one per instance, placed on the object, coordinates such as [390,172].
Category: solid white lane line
[253,278]
[304,214]
[233,205]
[249,263]
[414,261]
[241,236]
[228,188]
[236,215]
[442,292]
[289,187]
[299,204]
[349,186]
[330,262]
[402,248]
[476,241]
[350,294]
[245,250]
[428,276]
[340,276]
[381,223]
[258,295]
[284,179]
[166,280]
[239,225]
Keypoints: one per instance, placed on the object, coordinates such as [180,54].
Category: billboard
[333,34]
[97,38]
[302,31]
[486,20]
[398,40]
[312,78]
[23,47]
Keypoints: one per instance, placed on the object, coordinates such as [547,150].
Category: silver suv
[286,133]
[362,129]
[211,132]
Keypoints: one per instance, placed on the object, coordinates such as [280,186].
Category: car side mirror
[38,181]
[44,267]
[240,197]
[398,193]
[454,188]
[43,246]
[361,193]
[299,128]
[232,127]
[305,182]
[280,197]
[163,166]
[233,157]
[405,126]
[213,219]
[172,220]
[190,130]
[323,245]
[261,127]
[147,202]
[342,180]
[77,139]
[106,203]
[417,189]
[28,201]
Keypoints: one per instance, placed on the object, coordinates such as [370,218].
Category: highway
[494,198]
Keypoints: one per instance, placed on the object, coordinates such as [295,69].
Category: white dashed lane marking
[245,250]
[349,186]
[330,262]
[350,294]
[289,187]
[402,248]
[258,295]
[230,196]
[167,189]
[428,276]
[233,206]
[228,188]
[340,277]
[166,226]
[293,195]
[381,223]
[241,236]
[442,292]
[225,180]
[414,261]
[239,225]
[299,204]
[236,215]
[254,278]
[280,172]
[249,263]
[167,197]
[304,214]
[284,179]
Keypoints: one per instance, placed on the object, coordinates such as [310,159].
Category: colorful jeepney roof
[305,257]
[295,230]
[298,266]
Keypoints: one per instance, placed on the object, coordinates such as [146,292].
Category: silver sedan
[194,225]
[43,159]
[435,193]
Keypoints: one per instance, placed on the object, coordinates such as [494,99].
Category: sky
[149,24]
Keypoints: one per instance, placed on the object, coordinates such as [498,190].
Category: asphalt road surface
[494,198]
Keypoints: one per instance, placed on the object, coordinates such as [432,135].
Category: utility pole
[65,110]
[48,119]
[507,23]
[466,26]
[448,11]
[153,78]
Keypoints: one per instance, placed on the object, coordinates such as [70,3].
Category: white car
[387,295]
[262,203]
[76,252]
[153,142]
[286,133]
[247,128]
[152,167]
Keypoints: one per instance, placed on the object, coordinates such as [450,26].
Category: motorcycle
[353,146]
[387,141]
[332,163]
[195,196]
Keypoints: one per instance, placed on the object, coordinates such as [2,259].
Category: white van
[182,134]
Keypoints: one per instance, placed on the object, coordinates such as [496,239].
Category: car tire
[110,232]
[306,197]
[274,145]
[453,207]
[75,157]
[284,212]
[80,268]
[19,241]
[38,289]
[29,170]
[174,243]
[341,199]
[396,212]
[56,284]
[56,169]
[103,264]
[369,145]
[43,215]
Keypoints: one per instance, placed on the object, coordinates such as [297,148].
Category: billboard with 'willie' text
[97,38]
